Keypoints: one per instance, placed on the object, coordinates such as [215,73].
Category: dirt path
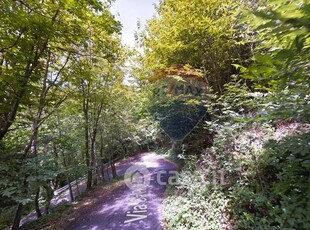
[133,207]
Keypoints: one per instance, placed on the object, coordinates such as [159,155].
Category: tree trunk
[17,217]
[93,158]
[107,173]
[34,154]
[111,155]
[36,203]
[49,197]
[31,66]
[95,121]
[97,173]
[77,187]
[20,207]
[101,156]
[102,170]
[113,168]
[89,179]
[70,189]
[87,156]
[86,135]
[56,181]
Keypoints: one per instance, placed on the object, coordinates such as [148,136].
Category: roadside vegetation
[68,106]
[253,170]
[65,212]
[65,109]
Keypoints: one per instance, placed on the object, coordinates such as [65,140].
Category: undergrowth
[248,179]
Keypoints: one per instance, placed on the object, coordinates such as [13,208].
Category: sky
[128,12]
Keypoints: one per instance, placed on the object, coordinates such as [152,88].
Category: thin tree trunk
[49,197]
[87,156]
[101,156]
[68,178]
[102,170]
[111,155]
[86,134]
[77,187]
[35,128]
[20,207]
[56,180]
[36,203]
[18,216]
[93,158]
[107,172]
[113,170]
[95,121]
[64,161]
[70,189]
[34,154]
[32,145]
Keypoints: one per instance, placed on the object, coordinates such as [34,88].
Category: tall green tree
[204,34]
[30,31]
[94,77]
[40,41]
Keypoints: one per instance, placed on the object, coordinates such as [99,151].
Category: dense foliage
[204,34]
[256,174]
[253,177]
[281,61]
[66,107]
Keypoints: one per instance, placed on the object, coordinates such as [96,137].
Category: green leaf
[9,192]
[285,54]
[265,59]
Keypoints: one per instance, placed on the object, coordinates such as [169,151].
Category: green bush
[246,180]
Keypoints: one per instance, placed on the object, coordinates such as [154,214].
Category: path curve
[131,209]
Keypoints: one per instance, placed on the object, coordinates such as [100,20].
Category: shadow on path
[124,208]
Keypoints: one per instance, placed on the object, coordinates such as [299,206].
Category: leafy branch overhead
[228,83]
[281,61]
[32,31]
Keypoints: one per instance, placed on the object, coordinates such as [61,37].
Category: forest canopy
[67,108]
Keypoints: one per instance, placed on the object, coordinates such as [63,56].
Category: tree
[93,82]
[280,66]
[39,43]
[30,31]
[204,34]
